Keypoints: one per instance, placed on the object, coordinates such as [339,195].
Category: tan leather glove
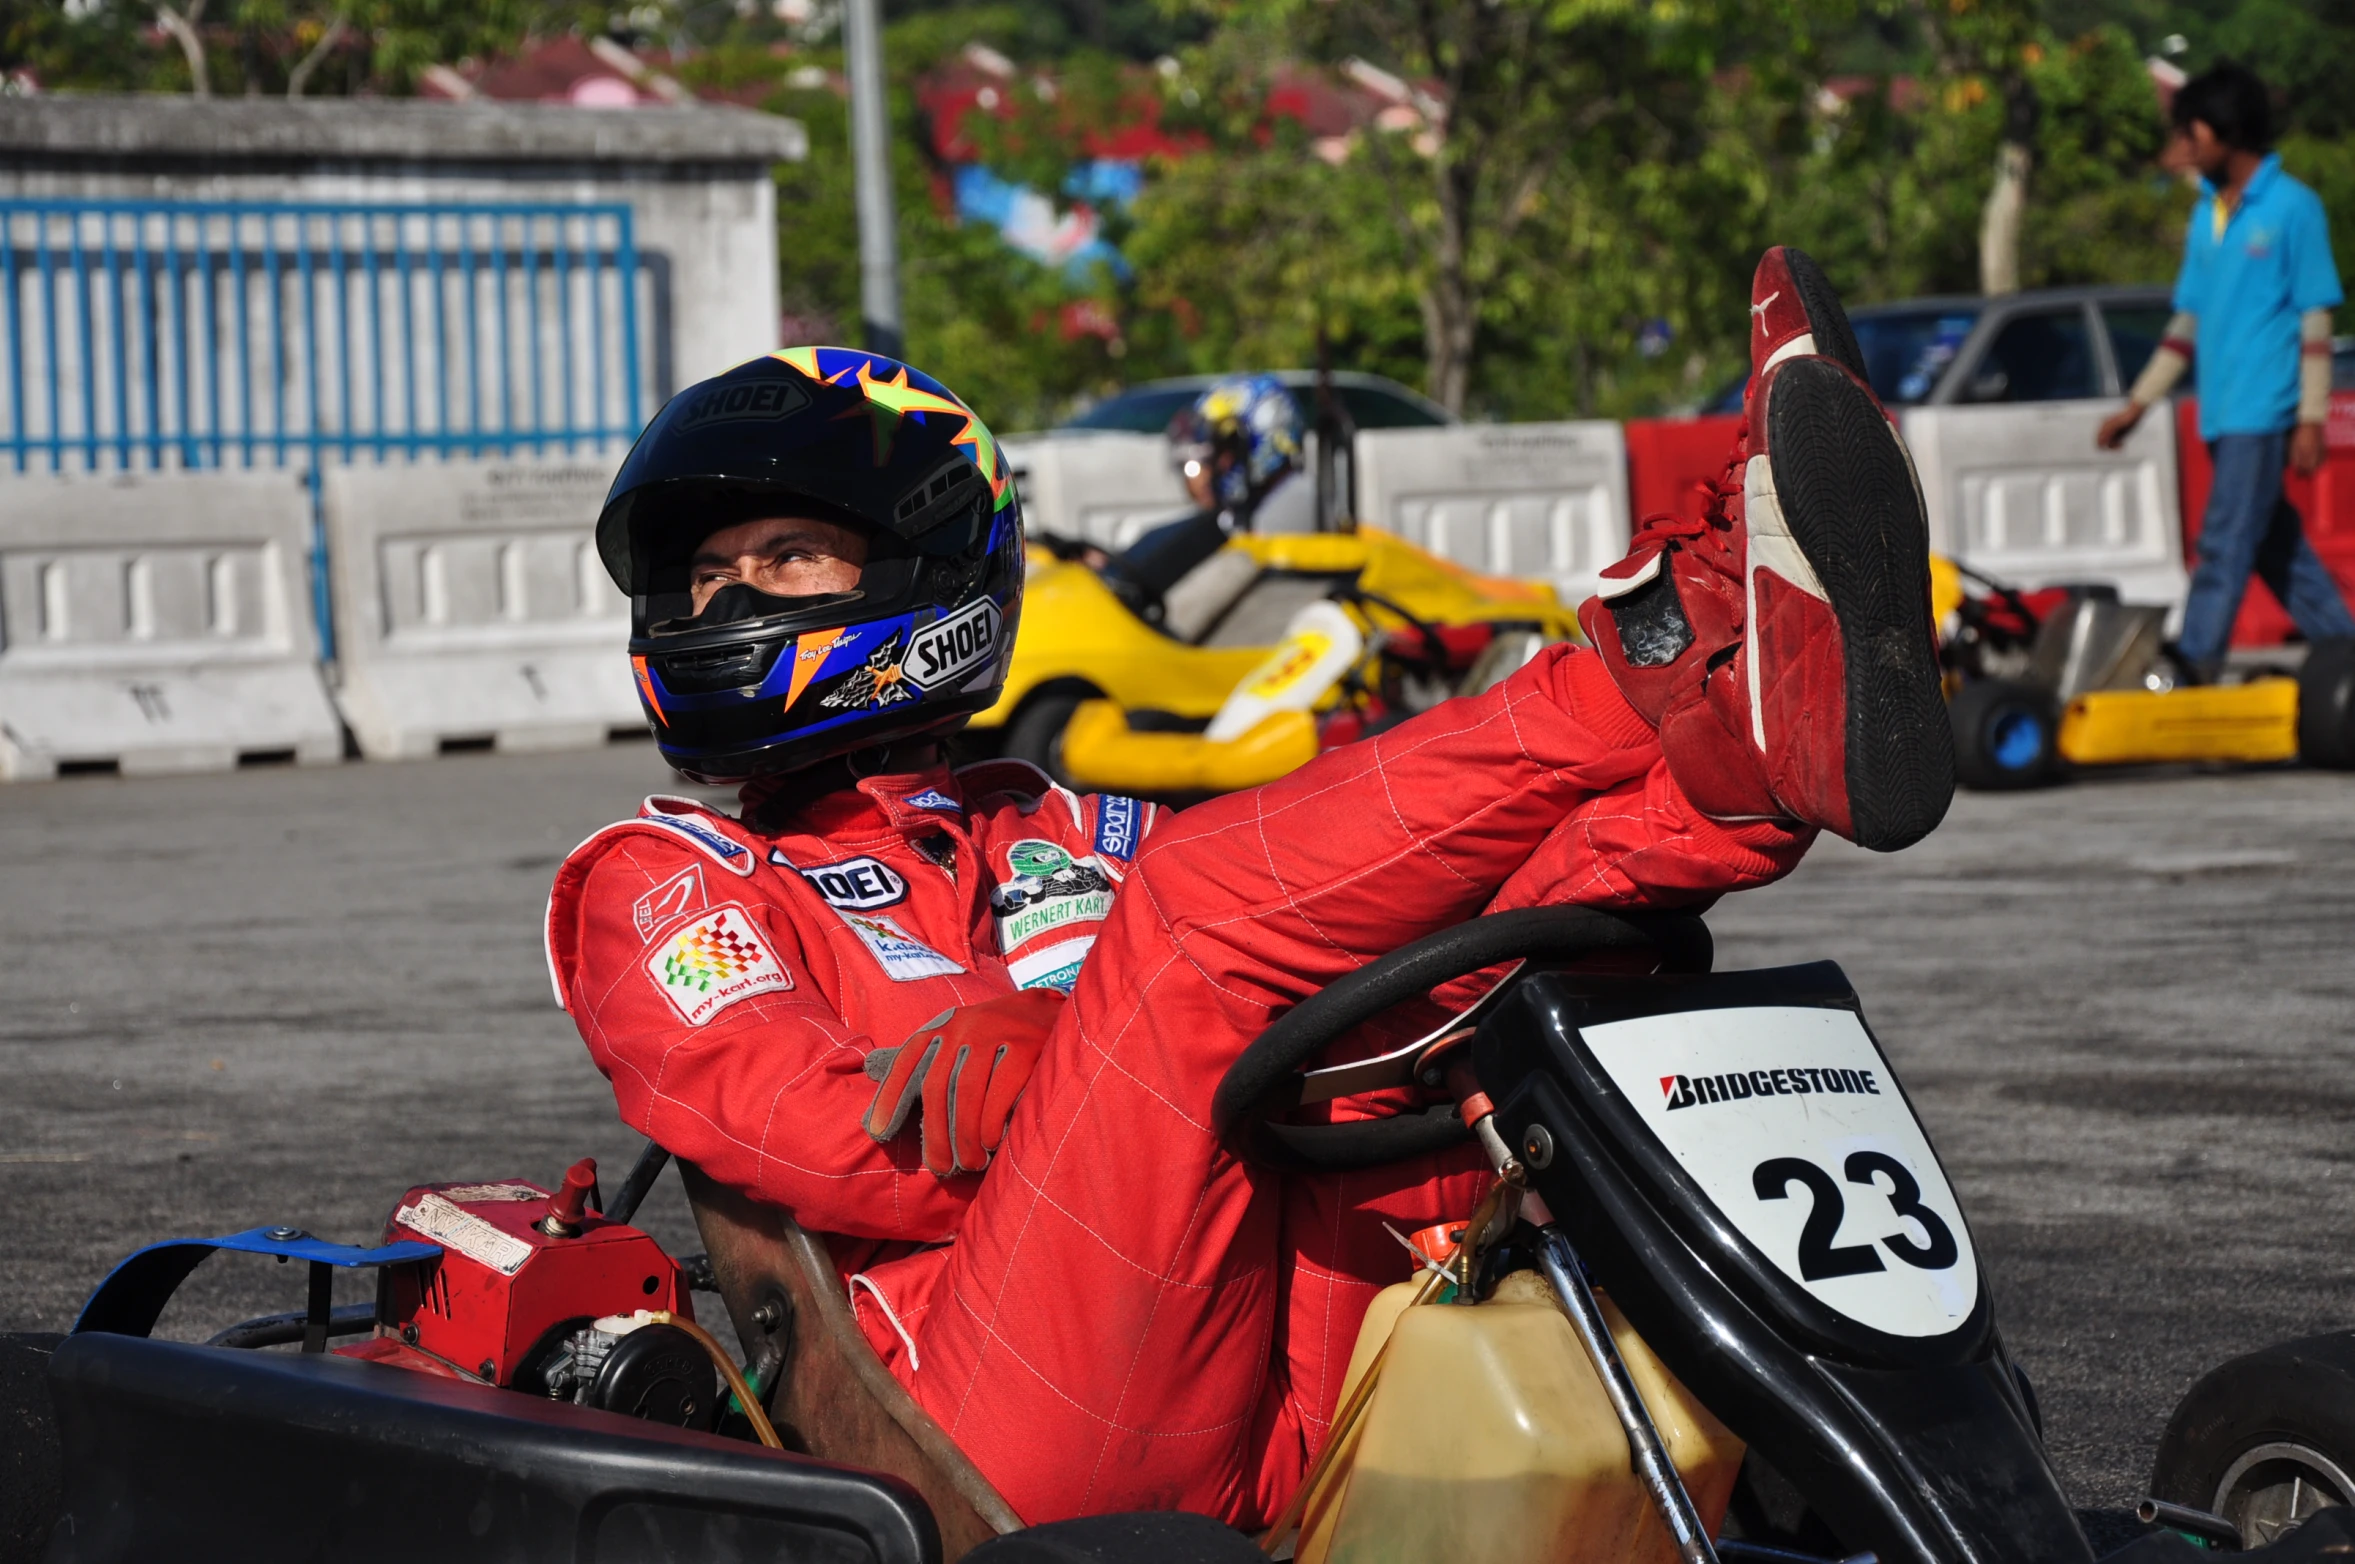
[967,1067]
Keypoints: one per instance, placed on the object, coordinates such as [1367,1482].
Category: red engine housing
[504,1282]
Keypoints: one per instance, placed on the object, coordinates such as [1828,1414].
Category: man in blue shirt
[2257,287]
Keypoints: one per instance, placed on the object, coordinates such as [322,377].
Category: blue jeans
[2249,527]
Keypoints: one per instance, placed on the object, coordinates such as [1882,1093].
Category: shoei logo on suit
[855,884]
[731,404]
[948,647]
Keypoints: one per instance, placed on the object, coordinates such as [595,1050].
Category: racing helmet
[758,683]
[1252,421]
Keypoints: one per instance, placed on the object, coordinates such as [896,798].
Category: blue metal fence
[188,335]
[185,335]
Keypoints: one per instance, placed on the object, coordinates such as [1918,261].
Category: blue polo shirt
[2248,285]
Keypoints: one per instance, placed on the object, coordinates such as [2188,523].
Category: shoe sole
[1827,320]
[1851,505]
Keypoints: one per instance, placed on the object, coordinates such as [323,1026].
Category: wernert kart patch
[1046,889]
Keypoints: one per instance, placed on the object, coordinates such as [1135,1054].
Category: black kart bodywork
[1909,1448]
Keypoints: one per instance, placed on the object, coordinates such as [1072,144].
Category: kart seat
[832,1396]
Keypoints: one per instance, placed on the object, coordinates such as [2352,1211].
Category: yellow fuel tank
[2256,721]
[1489,1440]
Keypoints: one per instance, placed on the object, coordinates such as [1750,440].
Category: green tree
[1502,101]
[1889,195]
[987,319]
[290,47]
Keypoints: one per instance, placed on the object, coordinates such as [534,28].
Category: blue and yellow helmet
[758,683]
[1252,422]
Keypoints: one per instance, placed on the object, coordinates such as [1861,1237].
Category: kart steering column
[1646,1453]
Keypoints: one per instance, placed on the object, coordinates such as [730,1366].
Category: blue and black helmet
[1244,431]
[758,683]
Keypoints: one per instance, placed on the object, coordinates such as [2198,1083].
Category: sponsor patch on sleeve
[1052,966]
[902,957]
[730,853]
[715,961]
[682,893]
[1118,822]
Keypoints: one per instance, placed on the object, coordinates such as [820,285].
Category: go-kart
[1167,662]
[1348,666]
[1728,1159]
[2041,683]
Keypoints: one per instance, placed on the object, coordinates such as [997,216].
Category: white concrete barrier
[1532,500]
[2022,493]
[471,609]
[1108,489]
[158,622]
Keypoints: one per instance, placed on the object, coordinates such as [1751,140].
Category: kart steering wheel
[1265,1080]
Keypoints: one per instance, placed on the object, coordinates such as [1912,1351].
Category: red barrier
[2326,501]
[1669,458]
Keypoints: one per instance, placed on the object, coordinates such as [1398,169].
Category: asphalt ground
[2125,1008]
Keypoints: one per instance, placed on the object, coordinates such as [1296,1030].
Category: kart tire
[1036,733]
[2326,706]
[2006,736]
[2267,1439]
[32,1460]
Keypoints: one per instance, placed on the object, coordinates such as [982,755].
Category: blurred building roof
[153,126]
[595,73]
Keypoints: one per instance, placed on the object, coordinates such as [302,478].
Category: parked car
[1373,401]
[2047,345]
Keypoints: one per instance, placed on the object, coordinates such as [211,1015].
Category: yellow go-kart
[2045,682]
[1274,648]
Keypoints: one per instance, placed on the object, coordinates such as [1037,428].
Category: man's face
[785,556]
[1202,477]
[2209,154]
[1197,478]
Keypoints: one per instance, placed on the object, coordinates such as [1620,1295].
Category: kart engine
[536,1291]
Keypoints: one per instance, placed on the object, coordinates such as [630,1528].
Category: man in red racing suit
[1116,1313]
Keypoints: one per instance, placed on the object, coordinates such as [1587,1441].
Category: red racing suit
[1118,1314]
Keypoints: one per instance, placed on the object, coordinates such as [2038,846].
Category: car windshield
[1148,409]
[1145,410]
[1905,351]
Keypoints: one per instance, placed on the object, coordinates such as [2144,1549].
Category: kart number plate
[1787,1118]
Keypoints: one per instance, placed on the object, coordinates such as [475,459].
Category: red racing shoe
[1702,600]
[1782,642]
[1794,313]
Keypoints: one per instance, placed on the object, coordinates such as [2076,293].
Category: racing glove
[967,1067]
